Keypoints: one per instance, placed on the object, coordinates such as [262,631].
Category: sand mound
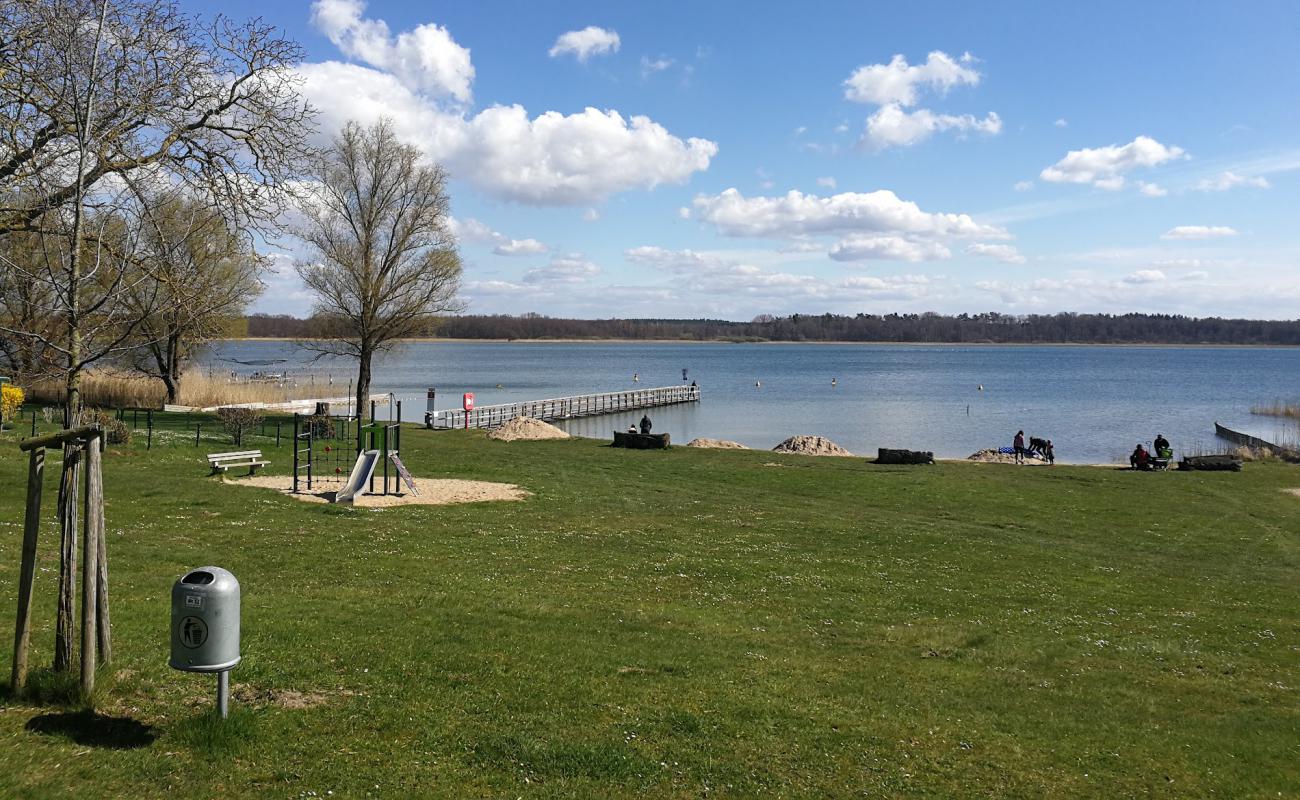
[526,429]
[810,446]
[719,444]
[433,491]
[992,456]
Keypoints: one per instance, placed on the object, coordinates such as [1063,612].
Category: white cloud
[425,58]
[675,261]
[551,159]
[590,215]
[473,231]
[796,213]
[588,42]
[1199,232]
[1061,122]
[564,269]
[520,247]
[892,126]
[827,182]
[1229,180]
[650,66]
[898,82]
[1152,189]
[1023,186]
[858,247]
[1104,167]
[1005,253]
[1145,276]
[684,212]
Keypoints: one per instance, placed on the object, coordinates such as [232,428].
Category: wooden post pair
[81,444]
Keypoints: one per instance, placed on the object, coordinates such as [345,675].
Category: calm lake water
[1093,402]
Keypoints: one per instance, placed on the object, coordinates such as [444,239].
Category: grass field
[688,624]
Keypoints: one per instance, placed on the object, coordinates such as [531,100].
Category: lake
[1093,402]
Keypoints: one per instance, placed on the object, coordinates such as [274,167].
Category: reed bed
[1278,409]
[197,388]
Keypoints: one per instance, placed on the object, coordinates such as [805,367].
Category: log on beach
[885,455]
[1215,463]
[642,441]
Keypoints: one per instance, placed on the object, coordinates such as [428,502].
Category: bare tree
[25,305]
[99,96]
[384,263]
[199,276]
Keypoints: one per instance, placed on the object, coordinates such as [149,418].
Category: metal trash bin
[205,626]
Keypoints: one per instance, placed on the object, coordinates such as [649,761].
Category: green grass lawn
[687,623]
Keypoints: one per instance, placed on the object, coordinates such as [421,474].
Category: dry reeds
[1278,409]
[105,389]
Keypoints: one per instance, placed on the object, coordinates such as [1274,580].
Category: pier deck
[583,405]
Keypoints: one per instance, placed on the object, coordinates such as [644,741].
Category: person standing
[1018,444]
[645,423]
[1049,453]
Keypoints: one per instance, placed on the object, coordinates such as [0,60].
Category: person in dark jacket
[645,423]
[1018,444]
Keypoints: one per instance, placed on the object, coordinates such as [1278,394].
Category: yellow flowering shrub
[11,399]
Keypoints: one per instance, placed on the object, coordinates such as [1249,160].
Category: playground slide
[360,477]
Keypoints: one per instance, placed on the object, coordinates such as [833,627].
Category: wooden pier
[583,405]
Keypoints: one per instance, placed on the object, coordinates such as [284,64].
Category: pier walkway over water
[583,405]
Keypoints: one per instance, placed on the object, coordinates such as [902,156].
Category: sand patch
[1295,492]
[526,429]
[717,444]
[810,446]
[433,492]
[992,456]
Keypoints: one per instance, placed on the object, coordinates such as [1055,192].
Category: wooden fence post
[27,573]
[90,565]
[67,557]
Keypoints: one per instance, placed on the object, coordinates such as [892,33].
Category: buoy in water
[980,387]
[834,382]
[758,384]
[636,377]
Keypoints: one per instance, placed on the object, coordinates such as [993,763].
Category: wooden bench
[220,462]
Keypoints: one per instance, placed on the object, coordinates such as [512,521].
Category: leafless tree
[384,265]
[198,276]
[25,305]
[98,97]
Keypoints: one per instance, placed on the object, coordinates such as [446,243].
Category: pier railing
[582,405]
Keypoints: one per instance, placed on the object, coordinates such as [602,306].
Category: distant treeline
[990,327]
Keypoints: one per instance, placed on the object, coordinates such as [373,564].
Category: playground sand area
[526,429]
[432,492]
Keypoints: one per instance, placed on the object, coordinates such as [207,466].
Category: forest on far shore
[990,327]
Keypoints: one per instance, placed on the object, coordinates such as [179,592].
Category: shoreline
[443,340]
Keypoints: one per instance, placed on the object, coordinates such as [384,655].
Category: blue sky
[683,159]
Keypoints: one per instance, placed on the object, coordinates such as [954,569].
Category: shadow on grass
[94,730]
[45,687]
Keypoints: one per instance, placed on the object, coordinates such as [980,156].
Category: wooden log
[885,455]
[103,625]
[63,630]
[27,572]
[59,438]
[642,441]
[94,520]
[1214,463]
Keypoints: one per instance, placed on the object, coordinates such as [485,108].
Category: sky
[731,159]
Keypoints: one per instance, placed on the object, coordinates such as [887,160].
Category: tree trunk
[363,389]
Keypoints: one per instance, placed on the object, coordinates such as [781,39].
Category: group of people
[1041,448]
[1141,458]
[646,425]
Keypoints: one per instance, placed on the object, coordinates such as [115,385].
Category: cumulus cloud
[1061,122]
[1228,180]
[520,247]
[551,159]
[675,261]
[1145,276]
[1005,253]
[896,86]
[1152,189]
[888,248]
[898,82]
[563,270]
[1104,167]
[425,58]
[588,42]
[827,182]
[892,126]
[1199,232]
[795,213]
[473,231]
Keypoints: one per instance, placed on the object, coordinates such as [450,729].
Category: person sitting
[1140,458]
[631,429]
[645,424]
